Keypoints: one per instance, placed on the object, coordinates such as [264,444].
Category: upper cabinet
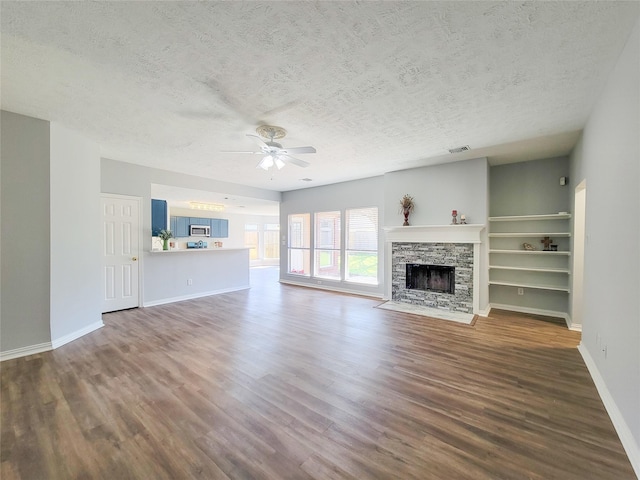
[158,216]
[219,228]
[180,226]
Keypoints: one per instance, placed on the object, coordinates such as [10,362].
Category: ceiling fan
[274,154]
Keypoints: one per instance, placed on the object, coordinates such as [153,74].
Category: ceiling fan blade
[294,161]
[226,151]
[258,139]
[296,150]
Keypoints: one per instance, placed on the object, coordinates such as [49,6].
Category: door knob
[134,259]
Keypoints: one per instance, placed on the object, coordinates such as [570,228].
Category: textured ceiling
[374,86]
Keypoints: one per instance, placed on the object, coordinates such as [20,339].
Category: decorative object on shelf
[546,241]
[463,219]
[528,246]
[554,248]
[165,235]
[406,207]
[454,217]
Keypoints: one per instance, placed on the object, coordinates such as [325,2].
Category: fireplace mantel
[468,233]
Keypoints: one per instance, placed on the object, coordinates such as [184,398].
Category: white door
[121,252]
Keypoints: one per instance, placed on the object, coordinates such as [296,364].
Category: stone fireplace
[434,266]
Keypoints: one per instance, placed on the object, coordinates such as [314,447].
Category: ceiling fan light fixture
[266,163]
[274,153]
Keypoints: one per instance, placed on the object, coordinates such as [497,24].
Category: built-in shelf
[512,266]
[529,285]
[531,269]
[530,252]
[520,218]
[529,234]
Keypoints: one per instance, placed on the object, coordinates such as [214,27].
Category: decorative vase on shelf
[406,207]
[165,235]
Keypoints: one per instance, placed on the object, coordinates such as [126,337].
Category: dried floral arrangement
[406,203]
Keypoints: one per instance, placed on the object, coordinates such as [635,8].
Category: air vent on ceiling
[464,148]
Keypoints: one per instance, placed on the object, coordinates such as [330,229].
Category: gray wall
[356,194]
[608,158]
[75,240]
[24,238]
[50,235]
[529,188]
[437,190]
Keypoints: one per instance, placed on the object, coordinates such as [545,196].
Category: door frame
[140,243]
[578,255]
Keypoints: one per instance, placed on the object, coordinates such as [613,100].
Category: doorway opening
[579,242]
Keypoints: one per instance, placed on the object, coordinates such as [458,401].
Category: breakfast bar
[182,274]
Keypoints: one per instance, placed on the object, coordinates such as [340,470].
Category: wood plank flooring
[284,382]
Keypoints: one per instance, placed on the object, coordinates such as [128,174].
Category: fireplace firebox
[430,278]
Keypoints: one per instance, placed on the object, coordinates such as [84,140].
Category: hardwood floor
[284,382]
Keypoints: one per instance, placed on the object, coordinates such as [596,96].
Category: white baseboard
[485,312]
[576,327]
[624,432]
[58,342]
[24,351]
[537,311]
[332,288]
[181,298]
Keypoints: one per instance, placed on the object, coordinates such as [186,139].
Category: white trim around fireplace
[436,234]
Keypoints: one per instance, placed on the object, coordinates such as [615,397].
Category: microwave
[199,231]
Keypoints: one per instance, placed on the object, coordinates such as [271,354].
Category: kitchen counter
[214,249]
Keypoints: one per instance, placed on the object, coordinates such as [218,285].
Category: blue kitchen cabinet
[224,228]
[180,226]
[219,228]
[158,216]
[199,221]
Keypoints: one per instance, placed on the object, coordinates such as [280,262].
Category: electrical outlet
[521,291]
[190,282]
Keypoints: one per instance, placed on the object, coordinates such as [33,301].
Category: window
[327,245]
[362,245]
[251,240]
[299,244]
[271,241]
